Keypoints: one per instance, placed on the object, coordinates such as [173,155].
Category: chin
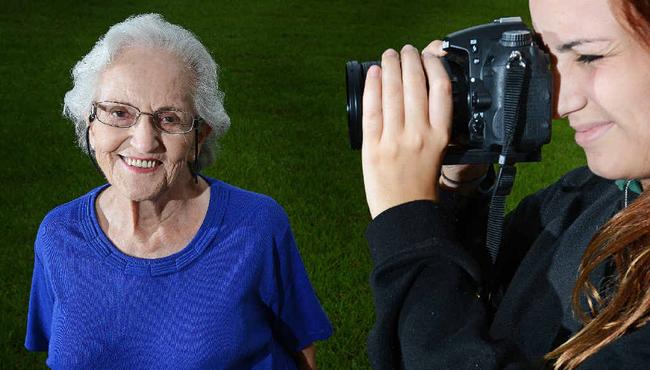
[140,194]
[607,167]
[138,191]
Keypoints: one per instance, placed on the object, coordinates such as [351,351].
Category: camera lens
[454,65]
[355,75]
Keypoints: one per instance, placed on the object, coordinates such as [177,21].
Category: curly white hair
[151,30]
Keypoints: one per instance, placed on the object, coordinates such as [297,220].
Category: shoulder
[581,178]
[580,185]
[252,206]
[63,222]
[630,351]
[584,187]
[575,193]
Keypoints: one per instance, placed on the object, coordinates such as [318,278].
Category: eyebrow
[163,108]
[169,108]
[572,44]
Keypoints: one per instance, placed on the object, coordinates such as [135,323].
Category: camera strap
[514,84]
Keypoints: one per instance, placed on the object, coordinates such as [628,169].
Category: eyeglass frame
[196,121]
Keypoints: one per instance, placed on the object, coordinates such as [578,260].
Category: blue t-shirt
[236,297]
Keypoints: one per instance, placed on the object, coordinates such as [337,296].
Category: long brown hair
[624,240]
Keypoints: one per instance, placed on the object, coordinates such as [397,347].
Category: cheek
[106,145]
[623,98]
[611,94]
[104,141]
[105,150]
[179,150]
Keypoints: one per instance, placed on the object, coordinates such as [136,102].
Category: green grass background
[282,68]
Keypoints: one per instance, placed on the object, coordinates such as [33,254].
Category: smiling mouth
[588,134]
[140,163]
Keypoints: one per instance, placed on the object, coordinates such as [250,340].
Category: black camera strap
[514,84]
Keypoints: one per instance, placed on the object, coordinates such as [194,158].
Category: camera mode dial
[516,38]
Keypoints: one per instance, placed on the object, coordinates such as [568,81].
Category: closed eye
[586,58]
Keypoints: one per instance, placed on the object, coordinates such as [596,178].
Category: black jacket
[429,282]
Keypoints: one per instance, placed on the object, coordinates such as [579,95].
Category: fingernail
[373,71]
[390,53]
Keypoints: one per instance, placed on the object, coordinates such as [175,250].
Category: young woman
[573,275]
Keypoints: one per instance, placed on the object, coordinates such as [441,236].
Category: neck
[154,227]
[645,184]
[146,216]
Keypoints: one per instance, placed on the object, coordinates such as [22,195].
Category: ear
[90,136]
[204,131]
[201,134]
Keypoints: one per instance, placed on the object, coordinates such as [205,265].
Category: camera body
[477,63]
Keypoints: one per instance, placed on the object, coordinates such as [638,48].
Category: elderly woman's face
[603,81]
[142,162]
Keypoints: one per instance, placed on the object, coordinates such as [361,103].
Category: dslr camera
[493,106]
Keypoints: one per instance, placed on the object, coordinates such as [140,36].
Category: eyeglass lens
[124,116]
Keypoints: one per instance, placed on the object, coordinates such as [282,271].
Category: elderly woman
[162,267]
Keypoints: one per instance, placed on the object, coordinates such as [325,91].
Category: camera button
[476,127]
[474,45]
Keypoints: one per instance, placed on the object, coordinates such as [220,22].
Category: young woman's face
[602,83]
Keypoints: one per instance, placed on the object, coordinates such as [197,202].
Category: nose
[570,90]
[145,138]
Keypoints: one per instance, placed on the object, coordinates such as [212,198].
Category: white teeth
[139,163]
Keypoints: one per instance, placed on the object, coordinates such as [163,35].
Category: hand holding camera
[498,81]
[405,132]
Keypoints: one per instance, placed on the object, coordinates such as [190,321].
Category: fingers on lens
[440,106]
[372,110]
[392,95]
[415,89]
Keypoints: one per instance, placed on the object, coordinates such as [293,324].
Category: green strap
[634,185]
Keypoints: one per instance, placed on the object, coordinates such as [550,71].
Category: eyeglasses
[124,115]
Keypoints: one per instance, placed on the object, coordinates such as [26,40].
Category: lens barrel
[355,75]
